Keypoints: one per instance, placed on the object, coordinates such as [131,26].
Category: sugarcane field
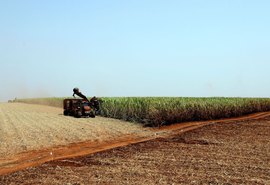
[134,92]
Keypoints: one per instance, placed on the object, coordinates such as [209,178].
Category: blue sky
[135,48]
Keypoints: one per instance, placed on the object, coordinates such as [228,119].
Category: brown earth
[188,153]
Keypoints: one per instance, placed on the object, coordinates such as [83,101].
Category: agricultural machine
[81,107]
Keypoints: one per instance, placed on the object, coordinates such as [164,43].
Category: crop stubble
[26,127]
[235,153]
[232,153]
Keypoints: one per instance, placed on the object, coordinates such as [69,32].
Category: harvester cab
[81,107]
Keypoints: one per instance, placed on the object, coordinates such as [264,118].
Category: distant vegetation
[158,111]
[55,102]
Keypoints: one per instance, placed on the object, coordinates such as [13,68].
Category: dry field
[25,127]
[234,151]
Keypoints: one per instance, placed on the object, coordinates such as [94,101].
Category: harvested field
[234,153]
[231,151]
[25,127]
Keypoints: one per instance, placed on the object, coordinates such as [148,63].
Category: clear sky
[134,48]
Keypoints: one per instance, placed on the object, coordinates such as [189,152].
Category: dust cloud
[13,90]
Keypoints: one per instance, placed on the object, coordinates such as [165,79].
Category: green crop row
[166,110]
[157,111]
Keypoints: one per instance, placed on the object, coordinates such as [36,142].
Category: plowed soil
[232,151]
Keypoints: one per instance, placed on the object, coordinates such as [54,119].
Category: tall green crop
[167,110]
[157,111]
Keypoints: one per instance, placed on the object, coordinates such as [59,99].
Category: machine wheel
[78,114]
[66,112]
[92,114]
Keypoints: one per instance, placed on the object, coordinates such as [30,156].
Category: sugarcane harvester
[81,107]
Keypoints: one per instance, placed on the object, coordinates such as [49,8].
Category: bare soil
[232,151]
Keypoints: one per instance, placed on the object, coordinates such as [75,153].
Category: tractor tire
[78,114]
[92,114]
[66,112]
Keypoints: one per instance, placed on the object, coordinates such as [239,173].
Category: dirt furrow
[43,134]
